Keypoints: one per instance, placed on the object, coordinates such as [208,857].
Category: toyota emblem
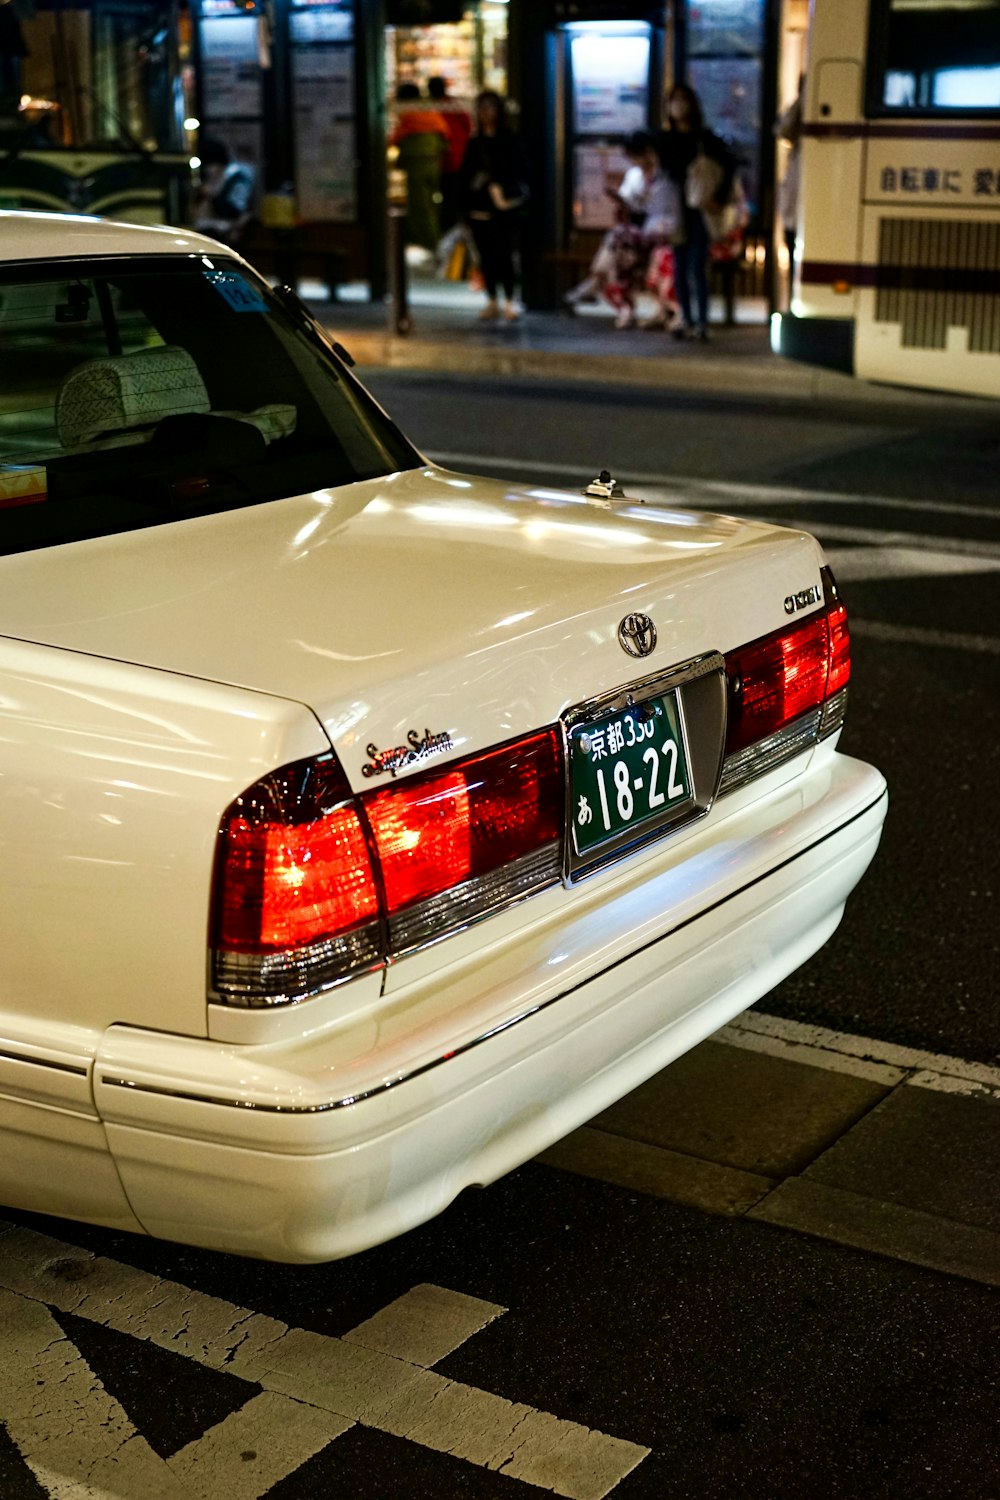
[637,635]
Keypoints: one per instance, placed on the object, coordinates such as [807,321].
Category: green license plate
[626,771]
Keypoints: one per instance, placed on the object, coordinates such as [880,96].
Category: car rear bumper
[318,1149]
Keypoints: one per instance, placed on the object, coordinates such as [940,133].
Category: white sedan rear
[364,827]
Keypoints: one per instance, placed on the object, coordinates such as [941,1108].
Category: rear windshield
[136,392]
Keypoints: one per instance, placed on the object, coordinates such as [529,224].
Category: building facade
[303,91]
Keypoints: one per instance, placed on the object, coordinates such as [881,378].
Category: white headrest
[128,390]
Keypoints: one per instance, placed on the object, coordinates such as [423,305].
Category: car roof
[35,236]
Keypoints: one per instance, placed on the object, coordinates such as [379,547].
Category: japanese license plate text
[627,770]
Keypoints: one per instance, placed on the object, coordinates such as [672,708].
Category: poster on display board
[323,109]
[598,169]
[610,81]
[325,133]
[230,66]
[321,24]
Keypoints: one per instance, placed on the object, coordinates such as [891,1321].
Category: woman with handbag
[703,168]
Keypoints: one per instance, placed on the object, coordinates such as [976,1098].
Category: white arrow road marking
[315,1386]
[73,1435]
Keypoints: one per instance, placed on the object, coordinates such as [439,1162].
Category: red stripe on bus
[829,271]
[973,280]
[868,129]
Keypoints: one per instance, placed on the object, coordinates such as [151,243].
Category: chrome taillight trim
[263,981]
[792,739]
[441,916]
[834,712]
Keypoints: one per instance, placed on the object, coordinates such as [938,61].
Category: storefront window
[725,44]
[470,53]
[98,76]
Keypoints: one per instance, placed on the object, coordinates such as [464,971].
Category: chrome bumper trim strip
[392,1083]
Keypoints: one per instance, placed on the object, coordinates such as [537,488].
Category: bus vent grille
[936,274]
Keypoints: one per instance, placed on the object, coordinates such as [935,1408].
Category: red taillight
[293,867]
[774,681]
[840,649]
[296,901]
[435,832]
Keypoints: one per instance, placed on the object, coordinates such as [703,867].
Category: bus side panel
[929,314]
[830,243]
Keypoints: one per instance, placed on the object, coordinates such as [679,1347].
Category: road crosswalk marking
[81,1445]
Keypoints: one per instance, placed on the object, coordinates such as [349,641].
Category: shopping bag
[457,262]
[703,180]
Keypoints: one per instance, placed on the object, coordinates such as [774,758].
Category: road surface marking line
[569,1459]
[383,1391]
[942,1084]
[425,1325]
[872,536]
[874,564]
[915,635]
[722,489]
[131,1301]
[338,1376]
[844,1044]
[253,1448]
[72,1434]
[701,493]
[817,1057]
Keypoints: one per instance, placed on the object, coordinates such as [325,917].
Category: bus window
[934,56]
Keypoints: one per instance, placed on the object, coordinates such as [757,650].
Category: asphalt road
[905,495]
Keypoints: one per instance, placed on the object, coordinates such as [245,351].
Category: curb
[750,378]
[818,1132]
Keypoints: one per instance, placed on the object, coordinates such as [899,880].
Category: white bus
[897,257]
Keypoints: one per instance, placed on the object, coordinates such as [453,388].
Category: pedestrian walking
[421,140]
[703,169]
[493,189]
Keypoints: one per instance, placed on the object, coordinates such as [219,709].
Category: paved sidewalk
[448,337]
[870,1145]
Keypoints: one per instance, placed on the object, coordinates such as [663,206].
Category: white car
[364,827]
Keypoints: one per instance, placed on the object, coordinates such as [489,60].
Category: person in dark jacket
[492,190]
[686,138]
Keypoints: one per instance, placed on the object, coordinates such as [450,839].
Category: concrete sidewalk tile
[939,1153]
[847,1218]
[748,1110]
[660,1173]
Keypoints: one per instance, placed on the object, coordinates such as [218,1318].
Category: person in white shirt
[647,213]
